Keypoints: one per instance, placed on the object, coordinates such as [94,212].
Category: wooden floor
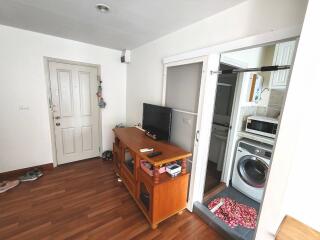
[83,200]
[213,177]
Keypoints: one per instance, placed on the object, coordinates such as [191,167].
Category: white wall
[256,57]
[296,192]
[252,17]
[250,57]
[25,134]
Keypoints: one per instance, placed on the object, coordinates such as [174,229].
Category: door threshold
[214,191]
[237,233]
[80,160]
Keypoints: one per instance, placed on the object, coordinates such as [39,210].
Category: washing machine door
[253,170]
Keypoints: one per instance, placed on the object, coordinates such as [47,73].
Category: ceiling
[128,24]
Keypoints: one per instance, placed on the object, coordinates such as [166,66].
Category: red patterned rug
[235,214]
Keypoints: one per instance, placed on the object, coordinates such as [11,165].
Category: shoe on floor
[5,186]
[37,172]
[29,176]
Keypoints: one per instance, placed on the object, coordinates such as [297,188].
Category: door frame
[46,61]
[196,189]
[204,60]
[234,120]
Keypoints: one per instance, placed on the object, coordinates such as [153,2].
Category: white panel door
[75,111]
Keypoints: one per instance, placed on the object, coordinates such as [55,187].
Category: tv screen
[157,120]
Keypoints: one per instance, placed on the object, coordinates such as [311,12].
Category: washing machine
[251,166]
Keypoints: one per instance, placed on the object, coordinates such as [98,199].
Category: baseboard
[12,175]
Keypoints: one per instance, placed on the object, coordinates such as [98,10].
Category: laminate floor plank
[84,200]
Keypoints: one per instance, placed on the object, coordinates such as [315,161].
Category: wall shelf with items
[256,137]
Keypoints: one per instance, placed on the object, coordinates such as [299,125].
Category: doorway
[245,157]
[213,54]
[74,109]
[183,82]
[221,124]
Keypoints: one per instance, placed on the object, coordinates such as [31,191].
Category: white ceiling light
[103,7]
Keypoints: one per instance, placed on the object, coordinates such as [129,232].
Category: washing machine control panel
[264,152]
[267,154]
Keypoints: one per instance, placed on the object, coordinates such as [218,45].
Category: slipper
[5,186]
[29,176]
[37,172]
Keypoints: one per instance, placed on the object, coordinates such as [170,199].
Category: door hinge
[99,149]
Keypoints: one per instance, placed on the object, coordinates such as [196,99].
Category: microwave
[264,126]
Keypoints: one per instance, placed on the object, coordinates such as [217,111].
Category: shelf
[256,137]
[129,161]
[129,165]
[134,139]
[157,201]
[164,177]
[144,196]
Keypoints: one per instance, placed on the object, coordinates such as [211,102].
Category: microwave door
[262,128]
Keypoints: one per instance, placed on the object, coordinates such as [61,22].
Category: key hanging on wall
[101,102]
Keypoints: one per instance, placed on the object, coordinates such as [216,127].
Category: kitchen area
[249,100]
[266,104]
[248,105]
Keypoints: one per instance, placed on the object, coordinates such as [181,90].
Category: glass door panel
[129,161]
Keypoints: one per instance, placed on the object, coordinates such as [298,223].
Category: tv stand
[159,196]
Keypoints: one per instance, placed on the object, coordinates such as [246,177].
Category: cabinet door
[116,158]
[283,56]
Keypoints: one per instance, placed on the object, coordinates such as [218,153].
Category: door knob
[57,124]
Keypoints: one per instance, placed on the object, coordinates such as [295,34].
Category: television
[157,121]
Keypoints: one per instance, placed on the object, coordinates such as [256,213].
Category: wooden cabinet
[283,55]
[159,196]
[116,156]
